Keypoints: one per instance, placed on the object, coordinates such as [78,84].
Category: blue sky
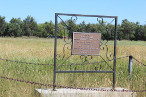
[44,10]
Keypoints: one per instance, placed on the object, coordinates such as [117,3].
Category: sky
[44,10]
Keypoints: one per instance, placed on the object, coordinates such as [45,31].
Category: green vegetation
[29,27]
[41,50]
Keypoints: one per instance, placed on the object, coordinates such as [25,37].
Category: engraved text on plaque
[86,43]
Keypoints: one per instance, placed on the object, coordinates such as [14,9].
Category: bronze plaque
[86,43]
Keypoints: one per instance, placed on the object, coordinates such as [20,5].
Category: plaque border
[86,54]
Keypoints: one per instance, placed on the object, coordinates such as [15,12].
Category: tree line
[29,27]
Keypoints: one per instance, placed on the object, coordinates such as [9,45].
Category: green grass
[40,50]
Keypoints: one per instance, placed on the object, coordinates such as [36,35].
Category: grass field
[38,50]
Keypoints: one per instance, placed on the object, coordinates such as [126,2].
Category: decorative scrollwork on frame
[66,47]
[100,20]
[85,58]
[104,48]
[98,68]
[66,39]
[74,19]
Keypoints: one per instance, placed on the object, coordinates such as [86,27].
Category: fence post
[130,66]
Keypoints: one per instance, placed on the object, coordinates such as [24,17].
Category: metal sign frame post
[113,69]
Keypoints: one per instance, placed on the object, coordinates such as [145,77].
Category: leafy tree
[111,31]
[39,31]
[91,27]
[62,31]
[144,38]
[45,29]
[82,27]
[14,27]
[3,26]
[29,26]
[71,27]
[139,32]
[49,28]
[128,29]
[120,34]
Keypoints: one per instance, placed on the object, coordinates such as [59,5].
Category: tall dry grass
[39,50]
